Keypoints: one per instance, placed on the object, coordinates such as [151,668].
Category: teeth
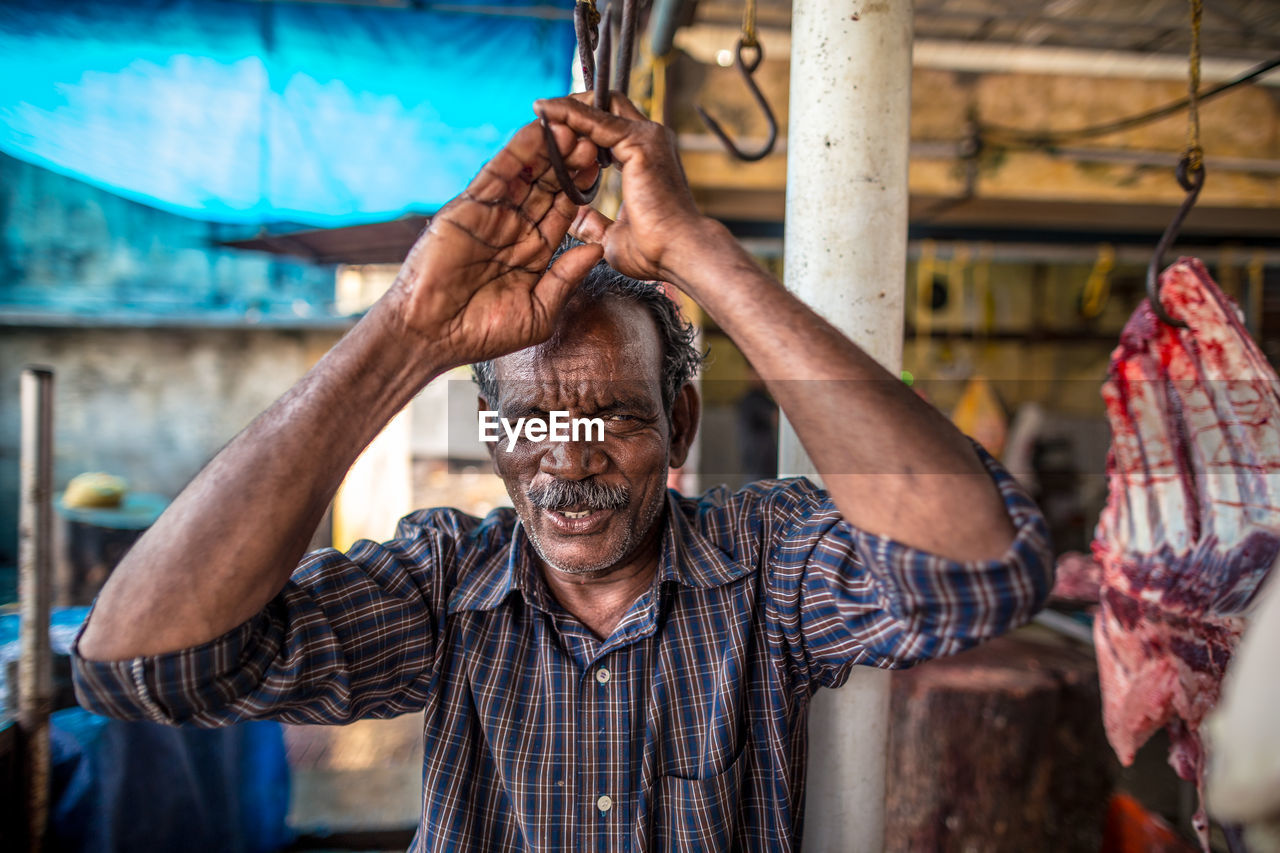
[583,514]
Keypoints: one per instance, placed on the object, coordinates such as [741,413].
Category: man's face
[592,507]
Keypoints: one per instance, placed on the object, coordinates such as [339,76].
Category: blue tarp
[254,112]
[140,787]
[137,787]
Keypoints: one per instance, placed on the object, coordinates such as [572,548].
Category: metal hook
[596,71]
[1190,179]
[595,74]
[746,69]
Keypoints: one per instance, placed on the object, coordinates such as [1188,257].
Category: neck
[600,599]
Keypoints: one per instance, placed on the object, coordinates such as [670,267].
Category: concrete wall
[152,405]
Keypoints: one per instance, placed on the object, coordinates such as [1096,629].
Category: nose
[573,460]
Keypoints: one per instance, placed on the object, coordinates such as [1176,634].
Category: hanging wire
[1049,138]
[1190,174]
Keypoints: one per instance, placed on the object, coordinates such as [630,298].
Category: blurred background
[199,197]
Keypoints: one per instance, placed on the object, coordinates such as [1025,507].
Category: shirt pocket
[700,814]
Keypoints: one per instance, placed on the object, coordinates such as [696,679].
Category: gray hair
[680,358]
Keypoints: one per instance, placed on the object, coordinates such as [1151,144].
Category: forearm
[230,540]
[893,464]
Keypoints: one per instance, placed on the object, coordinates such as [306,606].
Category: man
[610,666]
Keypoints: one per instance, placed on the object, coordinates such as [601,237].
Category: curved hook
[595,73]
[1190,179]
[746,69]
[586,20]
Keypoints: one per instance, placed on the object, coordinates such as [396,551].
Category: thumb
[560,280]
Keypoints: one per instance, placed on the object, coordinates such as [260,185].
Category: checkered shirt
[683,730]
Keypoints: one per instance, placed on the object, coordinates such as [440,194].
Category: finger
[560,280]
[589,225]
[604,129]
[621,105]
[522,159]
[521,168]
[577,151]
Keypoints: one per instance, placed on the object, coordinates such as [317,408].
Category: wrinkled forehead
[600,354]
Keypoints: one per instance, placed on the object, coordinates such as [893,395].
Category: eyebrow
[630,403]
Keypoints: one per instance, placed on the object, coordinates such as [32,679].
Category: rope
[749,25]
[925,268]
[593,14]
[1194,153]
[1097,286]
[658,98]
[1043,138]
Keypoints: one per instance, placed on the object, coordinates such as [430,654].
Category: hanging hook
[1191,179]
[746,68]
[596,72]
[595,76]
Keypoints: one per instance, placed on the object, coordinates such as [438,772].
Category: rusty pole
[35,571]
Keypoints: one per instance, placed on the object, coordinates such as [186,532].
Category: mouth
[579,521]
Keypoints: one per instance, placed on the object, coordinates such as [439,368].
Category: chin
[578,564]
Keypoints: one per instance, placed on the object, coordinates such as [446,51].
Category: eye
[622,417]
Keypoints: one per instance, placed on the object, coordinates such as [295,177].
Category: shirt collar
[687,558]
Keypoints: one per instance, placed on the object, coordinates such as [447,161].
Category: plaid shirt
[684,730]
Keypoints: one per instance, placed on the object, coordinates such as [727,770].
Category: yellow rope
[1195,154]
[925,268]
[1098,286]
[985,306]
[749,25]
[956,277]
[658,99]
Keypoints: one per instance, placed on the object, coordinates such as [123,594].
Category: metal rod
[35,530]
[626,46]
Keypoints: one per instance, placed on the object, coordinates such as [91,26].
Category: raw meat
[1192,521]
[1077,577]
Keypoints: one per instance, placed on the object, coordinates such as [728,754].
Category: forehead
[600,349]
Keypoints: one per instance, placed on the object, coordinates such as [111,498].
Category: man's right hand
[476,284]
[660,225]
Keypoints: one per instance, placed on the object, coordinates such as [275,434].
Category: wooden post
[35,587]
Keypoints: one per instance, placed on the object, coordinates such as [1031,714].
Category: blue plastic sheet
[137,786]
[134,786]
[254,112]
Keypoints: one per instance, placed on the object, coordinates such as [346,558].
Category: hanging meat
[1192,522]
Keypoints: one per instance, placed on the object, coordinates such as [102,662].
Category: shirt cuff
[184,686]
[967,600]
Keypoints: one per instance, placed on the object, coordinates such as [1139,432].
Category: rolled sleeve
[351,635]
[870,600]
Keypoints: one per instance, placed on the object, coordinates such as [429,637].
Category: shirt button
[602,675]
[604,803]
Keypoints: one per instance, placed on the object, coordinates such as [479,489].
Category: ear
[685,412]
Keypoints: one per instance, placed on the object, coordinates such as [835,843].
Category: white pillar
[845,255]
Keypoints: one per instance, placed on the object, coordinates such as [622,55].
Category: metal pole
[35,527]
[845,255]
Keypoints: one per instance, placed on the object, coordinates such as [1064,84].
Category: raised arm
[893,464]
[475,286]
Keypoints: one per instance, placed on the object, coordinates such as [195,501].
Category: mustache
[591,494]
